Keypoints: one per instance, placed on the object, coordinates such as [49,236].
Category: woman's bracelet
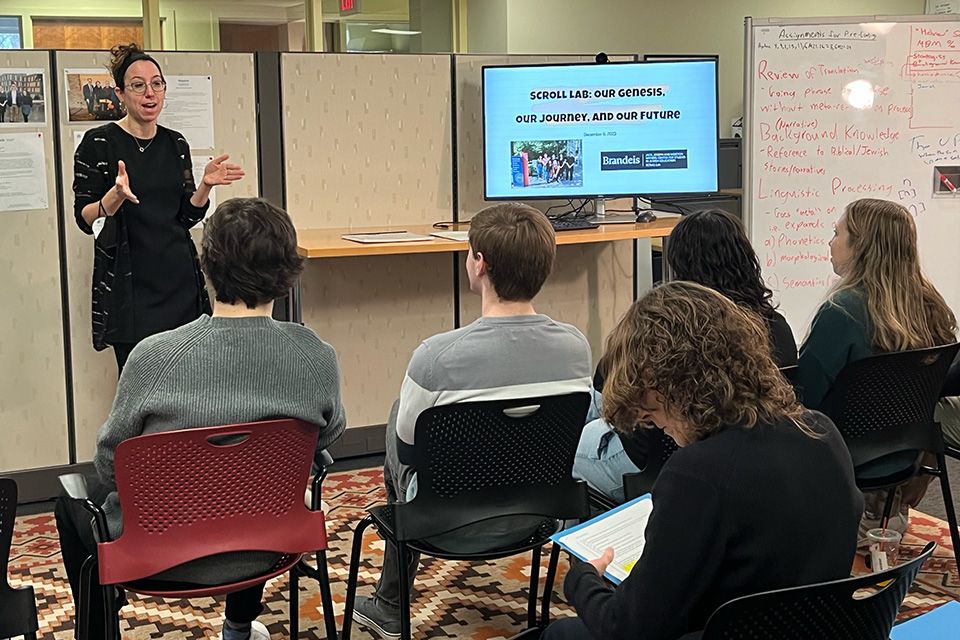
[101,212]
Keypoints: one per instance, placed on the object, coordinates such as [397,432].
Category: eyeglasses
[139,87]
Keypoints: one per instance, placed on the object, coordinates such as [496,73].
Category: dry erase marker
[947,182]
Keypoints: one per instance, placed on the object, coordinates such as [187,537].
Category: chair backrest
[885,403]
[480,460]
[824,610]
[660,447]
[198,492]
[18,607]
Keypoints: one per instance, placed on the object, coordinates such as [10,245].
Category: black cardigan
[95,173]
[742,511]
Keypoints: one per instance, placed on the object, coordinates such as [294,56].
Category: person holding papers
[134,191]
[760,496]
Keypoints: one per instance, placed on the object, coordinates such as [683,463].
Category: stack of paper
[621,528]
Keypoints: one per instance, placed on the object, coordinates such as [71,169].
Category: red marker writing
[946,181]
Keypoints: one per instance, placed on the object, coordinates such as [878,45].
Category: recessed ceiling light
[397,32]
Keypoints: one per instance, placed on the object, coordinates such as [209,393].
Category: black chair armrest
[323,461]
[75,486]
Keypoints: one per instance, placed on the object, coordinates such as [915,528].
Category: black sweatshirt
[742,511]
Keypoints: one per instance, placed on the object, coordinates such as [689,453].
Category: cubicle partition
[367,143]
[33,391]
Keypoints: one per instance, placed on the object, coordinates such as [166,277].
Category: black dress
[164,281]
[146,275]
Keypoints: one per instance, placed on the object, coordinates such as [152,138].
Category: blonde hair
[709,358]
[906,310]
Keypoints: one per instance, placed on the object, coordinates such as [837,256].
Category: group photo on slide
[548,162]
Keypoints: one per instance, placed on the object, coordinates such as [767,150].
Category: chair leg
[329,620]
[534,587]
[354,571]
[403,559]
[294,584]
[83,607]
[948,506]
[111,614]
[548,587]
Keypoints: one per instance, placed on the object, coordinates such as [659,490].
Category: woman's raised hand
[122,185]
[218,171]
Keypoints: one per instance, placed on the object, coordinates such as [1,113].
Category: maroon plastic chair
[195,493]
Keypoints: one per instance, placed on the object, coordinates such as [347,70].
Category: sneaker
[258,631]
[377,616]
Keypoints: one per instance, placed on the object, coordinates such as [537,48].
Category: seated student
[755,474]
[509,352]
[238,366]
[882,303]
[711,248]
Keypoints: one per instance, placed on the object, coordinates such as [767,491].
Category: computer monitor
[600,130]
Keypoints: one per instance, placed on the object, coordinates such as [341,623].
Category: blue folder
[942,622]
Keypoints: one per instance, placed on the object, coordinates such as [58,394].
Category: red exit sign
[348,7]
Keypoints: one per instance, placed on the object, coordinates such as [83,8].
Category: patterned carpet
[480,601]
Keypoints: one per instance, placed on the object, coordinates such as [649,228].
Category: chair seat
[384,519]
[889,470]
[168,589]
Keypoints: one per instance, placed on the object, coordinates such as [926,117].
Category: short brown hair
[518,247]
[709,358]
[250,252]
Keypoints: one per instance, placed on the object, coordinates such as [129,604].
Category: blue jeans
[601,460]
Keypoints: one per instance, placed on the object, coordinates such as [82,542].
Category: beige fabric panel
[375,311]
[469,70]
[33,403]
[367,139]
[235,131]
[591,287]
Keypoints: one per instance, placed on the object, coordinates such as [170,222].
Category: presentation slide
[600,129]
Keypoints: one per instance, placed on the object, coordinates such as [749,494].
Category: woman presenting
[134,190]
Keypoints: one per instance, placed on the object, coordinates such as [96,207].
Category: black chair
[883,407]
[824,610]
[18,607]
[660,447]
[479,461]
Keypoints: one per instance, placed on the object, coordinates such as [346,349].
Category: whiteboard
[838,109]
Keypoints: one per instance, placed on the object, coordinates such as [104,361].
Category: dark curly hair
[711,248]
[708,357]
[250,252]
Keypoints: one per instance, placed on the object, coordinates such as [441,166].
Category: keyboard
[572,224]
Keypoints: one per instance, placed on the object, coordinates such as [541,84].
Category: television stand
[600,215]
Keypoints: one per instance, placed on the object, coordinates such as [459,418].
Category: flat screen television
[600,130]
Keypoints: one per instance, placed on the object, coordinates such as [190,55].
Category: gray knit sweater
[218,371]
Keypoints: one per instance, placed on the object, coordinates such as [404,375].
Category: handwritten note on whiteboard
[846,110]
